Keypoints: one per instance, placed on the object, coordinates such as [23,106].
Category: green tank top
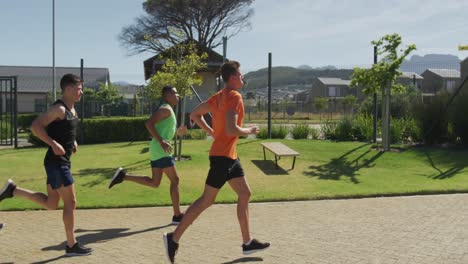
[166,128]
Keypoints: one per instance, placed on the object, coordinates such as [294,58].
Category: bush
[329,131]
[300,131]
[363,127]
[104,130]
[279,132]
[344,130]
[25,121]
[196,134]
[411,131]
[263,134]
[459,116]
[396,130]
[5,129]
[314,133]
[432,120]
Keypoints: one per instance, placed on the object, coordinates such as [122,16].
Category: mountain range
[290,80]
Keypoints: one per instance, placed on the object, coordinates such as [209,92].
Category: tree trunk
[386,118]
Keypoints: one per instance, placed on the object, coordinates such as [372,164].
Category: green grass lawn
[323,170]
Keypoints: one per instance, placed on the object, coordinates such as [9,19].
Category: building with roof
[410,79]
[333,88]
[34,83]
[436,80]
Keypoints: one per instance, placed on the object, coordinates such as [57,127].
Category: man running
[227,111]
[57,128]
[162,127]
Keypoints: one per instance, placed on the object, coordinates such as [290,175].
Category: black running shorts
[223,169]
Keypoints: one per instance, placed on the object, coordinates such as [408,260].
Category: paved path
[418,229]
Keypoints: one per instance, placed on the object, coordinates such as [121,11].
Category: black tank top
[63,132]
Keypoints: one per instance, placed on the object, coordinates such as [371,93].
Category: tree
[349,102]
[321,103]
[382,77]
[170,22]
[180,71]
[107,95]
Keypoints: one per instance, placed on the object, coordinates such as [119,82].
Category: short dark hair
[69,79]
[166,89]
[229,68]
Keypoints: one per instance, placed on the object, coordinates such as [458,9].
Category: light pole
[53,51]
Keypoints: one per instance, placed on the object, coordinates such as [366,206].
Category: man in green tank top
[162,127]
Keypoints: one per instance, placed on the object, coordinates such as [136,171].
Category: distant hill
[291,80]
[284,78]
[419,64]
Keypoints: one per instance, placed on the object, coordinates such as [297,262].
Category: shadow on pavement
[243,260]
[102,235]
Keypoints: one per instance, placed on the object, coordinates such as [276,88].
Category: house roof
[37,79]
[214,60]
[334,81]
[445,73]
[409,75]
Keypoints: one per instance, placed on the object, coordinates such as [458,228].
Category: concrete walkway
[418,229]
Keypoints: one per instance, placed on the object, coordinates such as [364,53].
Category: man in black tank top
[57,128]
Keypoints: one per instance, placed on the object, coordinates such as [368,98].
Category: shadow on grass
[269,168]
[243,260]
[102,235]
[445,157]
[131,144]
[341,166]
[249,142]
[105,174]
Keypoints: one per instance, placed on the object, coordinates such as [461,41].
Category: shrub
[363,127]
[104,130]
[314,133]
[329,131]
[5,129]
[196,134]
[432,119]
[25,121]
[300,131]
[344,130]
[396,130]
[263,134]
[459,116]
[279,132]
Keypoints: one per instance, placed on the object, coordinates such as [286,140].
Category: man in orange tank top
[227,111]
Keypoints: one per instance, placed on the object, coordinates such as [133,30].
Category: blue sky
[316,33]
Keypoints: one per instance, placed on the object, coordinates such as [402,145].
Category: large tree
[169,22]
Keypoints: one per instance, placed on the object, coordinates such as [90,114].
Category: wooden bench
[279,150]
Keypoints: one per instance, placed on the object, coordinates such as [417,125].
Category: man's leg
[69,206]
[202,203]
[171,173]
[49,201]
[241,187]
[154,182]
